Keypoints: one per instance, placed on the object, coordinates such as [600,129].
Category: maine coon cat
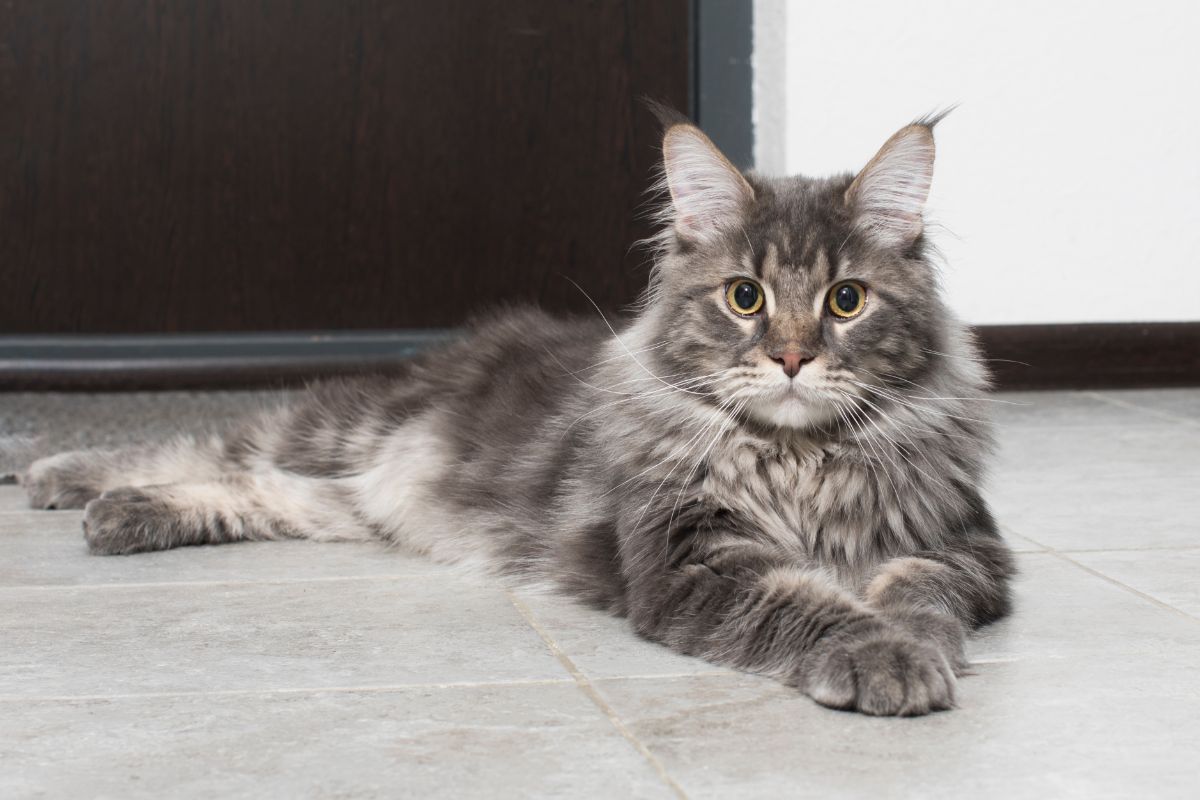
[773,463]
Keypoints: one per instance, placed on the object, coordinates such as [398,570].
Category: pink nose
[791,361]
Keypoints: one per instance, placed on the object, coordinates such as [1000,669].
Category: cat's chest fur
[803,495]
[773,483]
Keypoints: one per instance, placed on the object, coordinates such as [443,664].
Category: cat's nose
[791,361]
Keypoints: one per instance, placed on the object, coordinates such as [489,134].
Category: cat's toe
[902,678]
[126,521]
[937,628]
[884,676]
[62,481]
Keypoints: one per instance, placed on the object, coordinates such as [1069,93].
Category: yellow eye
[847,299]
[744,297]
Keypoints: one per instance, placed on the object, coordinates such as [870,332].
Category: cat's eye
[847,299]
[745,297]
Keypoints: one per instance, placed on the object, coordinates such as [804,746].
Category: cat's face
[786,298]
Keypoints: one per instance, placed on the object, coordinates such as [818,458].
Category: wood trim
[202,361]
[1094,355]
[1085,356]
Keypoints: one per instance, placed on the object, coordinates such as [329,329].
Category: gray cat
[773,463]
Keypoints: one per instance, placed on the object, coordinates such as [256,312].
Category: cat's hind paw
[65,480]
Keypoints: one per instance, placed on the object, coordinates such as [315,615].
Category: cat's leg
[71,479]
[239,507]
[941,594]
[724,596]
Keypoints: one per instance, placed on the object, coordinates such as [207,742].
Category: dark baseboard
[1093,356]
[201,361]
[1090,356]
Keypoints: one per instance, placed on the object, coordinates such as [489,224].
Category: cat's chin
[792,409]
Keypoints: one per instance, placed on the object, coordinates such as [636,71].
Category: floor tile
[1061,410]
[1108,514]
[35,424]
[118,640]
[1171,577]
[12,498]
[603,646]
[44,548]
[485,742]
[1063,612]
[1019,544]
[1153,450]
[1171,403]
[1100,489]
[191,672]
[1122,726]
[1086,691]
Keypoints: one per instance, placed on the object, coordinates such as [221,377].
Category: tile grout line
[1063,556]
[1009,531]
[381,689]
[386,576]
[1160,549]
[1125,586]
[669,676]
[1166,548]
[588,689]
[1154,412]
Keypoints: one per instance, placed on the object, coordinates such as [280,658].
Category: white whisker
[617,337]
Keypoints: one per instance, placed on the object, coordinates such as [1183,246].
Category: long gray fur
[827,530]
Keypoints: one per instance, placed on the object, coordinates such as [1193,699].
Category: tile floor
[294,669]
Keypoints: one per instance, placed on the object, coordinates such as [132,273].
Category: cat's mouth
[793,405]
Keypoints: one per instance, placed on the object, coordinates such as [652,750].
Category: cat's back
[491,383]
[515,345]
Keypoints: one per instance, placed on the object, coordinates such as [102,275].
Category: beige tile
[1087,691]
[1063,612]
[602,645]
[1164,403]
[1100,489]
[45,548]
[163,638]
[1153,450]
[1044,410]
[36,424]
[1171,577]
[1114,727]
[1018,543]
[470,742]
[12,498]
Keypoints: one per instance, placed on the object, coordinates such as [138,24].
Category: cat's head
[790,295]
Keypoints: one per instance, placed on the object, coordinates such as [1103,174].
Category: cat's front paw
[885,673]
[65,480]
[935,627]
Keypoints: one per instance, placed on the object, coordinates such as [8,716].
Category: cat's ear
[708,194]
[888,196]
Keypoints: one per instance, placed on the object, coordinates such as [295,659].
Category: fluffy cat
[773,463]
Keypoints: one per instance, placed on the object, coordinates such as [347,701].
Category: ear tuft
[708,194]
[888,196]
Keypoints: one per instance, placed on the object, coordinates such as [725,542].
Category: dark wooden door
[227,165]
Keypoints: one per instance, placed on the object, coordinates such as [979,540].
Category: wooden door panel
[300,164]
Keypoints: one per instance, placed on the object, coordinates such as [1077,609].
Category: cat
[772,463]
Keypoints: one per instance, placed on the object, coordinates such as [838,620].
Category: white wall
[1067,187]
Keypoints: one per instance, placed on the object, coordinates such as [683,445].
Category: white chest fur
[770,482]
[803,496]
